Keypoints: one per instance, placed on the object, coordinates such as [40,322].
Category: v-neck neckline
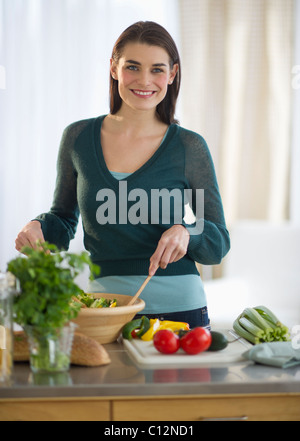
[101,160]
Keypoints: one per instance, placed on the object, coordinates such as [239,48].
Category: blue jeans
[194,317]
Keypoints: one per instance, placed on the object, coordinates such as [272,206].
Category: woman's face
[143,73]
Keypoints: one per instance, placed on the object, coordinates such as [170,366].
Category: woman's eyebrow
[133,62]
[139,64]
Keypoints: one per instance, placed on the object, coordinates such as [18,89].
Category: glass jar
[50,349]
[7,290]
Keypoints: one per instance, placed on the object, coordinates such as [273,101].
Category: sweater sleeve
[60,223]
[209,238]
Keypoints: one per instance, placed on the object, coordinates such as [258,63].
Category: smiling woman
[141,144]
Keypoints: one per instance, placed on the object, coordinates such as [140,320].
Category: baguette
[85,350]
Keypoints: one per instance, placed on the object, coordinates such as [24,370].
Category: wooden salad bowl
[105,324]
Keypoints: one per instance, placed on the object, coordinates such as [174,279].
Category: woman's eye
[135,68]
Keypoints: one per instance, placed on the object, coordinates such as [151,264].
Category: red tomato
[195,341]
[166,341]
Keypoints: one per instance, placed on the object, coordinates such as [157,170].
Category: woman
[129,175]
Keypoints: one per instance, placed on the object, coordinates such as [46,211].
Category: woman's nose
[144,78]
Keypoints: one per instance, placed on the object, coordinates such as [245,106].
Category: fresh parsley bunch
[47,284]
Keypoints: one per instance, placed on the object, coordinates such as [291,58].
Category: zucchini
[219,341]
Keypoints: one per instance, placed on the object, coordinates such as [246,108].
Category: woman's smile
[143,93]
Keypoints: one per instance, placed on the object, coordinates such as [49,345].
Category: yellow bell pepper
[154,325]
[157,325]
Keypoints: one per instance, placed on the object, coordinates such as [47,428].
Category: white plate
[145,354]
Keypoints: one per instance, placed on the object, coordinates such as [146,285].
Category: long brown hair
[153,34]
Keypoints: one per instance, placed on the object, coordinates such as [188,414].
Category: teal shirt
[121,247]
[163,294]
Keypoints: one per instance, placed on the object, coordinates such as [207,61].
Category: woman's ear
[113,69]
[173,73]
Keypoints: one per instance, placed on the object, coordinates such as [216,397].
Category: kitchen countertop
[123,377]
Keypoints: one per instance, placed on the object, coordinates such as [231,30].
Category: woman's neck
[136,122]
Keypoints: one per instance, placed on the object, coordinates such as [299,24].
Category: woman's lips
[143,93]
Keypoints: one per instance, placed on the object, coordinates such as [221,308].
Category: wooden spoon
[131,301]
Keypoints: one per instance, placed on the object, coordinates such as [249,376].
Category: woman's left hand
[171,247]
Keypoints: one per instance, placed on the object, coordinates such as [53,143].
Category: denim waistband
[194,317]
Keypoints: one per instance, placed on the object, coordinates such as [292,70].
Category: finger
[171,255]
[155,258]
[34,239]
[152,269]
[21,241]
[28,239]
[175,256]
[164,255]
[171,248]
[165,258]
[179,252]
[18,245]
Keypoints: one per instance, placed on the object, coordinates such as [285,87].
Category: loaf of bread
[85,350]
[88,352]
[21,349]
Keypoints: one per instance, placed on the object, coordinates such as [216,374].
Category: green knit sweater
[124,220]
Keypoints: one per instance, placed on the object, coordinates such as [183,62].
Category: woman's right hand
[30,234]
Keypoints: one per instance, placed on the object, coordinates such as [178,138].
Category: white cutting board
[145,354]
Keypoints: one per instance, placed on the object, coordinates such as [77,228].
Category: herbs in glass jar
[47,285]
